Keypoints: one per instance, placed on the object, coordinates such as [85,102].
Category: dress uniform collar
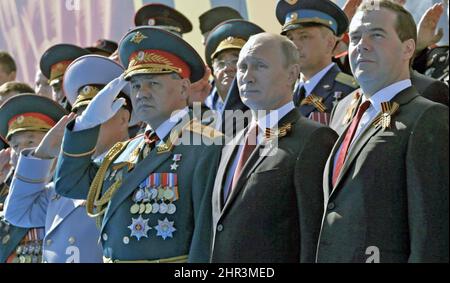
[386,94]
[311,84]
[164,129]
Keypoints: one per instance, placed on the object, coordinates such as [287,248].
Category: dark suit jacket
[392,192]
[430,88]
[274,212]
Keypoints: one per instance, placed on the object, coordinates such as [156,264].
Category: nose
[247,76]
[363,44]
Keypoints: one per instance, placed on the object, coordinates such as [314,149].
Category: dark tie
[299,95]
[249,147]
[151,139]
[347,140]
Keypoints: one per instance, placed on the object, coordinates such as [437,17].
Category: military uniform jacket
[274,212]
[390,202]
[430,88]
[10,235]
[147,234]
[333,86]
[70,235]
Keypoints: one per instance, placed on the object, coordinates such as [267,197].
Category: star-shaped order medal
[174,166]
[176,158]
[139,228]
[165,229]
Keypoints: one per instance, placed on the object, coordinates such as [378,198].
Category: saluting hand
[103,107]
[5,166]
[350,8]
[426,29]
[50,145]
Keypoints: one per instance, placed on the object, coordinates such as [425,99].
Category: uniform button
[49,242]
[72,240]
[331,206]
[5,239]
[105,237]
[220,227]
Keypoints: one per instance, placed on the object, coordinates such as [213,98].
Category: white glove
[102,107]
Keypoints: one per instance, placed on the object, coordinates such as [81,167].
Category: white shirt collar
[387,94]
[312,83]
[164,129]
[271,120]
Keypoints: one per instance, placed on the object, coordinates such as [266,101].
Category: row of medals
[30,252]
[146,200]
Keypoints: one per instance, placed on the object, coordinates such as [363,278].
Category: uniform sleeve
[28,198]
[427,164]
[309,169]
[75,169]
[204,177]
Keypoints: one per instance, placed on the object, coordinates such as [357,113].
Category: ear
[409,48]
[124,117]
[185,88]
[293,74]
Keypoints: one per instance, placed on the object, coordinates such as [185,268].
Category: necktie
[248,148]
[299,96]
[347,140]
[151,139]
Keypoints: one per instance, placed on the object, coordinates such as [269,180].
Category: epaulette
[346,79]
[197,127]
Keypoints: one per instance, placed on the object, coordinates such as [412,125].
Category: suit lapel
[228,152]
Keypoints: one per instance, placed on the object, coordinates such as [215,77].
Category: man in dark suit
[267,197]
[386,180]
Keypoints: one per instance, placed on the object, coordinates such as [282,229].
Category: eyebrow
[370,30]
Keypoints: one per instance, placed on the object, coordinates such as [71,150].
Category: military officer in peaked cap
[70,234]
[315,26]
[152,194]
[162,16]
[222,53]
[103,47]
[54,63]
[213,17]
[24,120]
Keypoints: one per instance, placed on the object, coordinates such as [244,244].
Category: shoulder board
[346,79]
[197,127]
[132,149]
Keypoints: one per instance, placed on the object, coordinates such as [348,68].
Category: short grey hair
[290,52]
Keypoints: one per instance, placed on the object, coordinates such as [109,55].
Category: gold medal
[22,259]
[168,194]
[141,208]
[27,259]
[148,208]
[134,208]
[160,193]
